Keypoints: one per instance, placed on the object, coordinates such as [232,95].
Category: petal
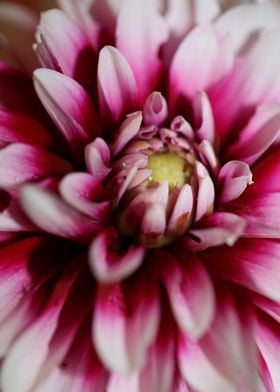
[199,62]
[216,229]
[182,212]
[68,105]
[253,263]
[205,125]
[109,264]
[191,294]
[140,33]
[155,109]
[17,127]
[65,42]
[97,157]
[134,319]
[261,131]
[234,177]
[206,192]
[21,163]
[51,214]
[116,84]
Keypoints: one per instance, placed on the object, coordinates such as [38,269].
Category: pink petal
[204,119]
[217,229]
[116,84]
[191,294]
[18,26]
[127,131]
[131,312]
[182,211]
[69,106]
[21,163]
[208,156]
[97,157]
[109,264]
[17,127]
[206,192]
[155,109]
[272,308]
[253,263]
[200,61]
[83,192]
[234,177]
[53,215]
[140,33]
[262,130]
[58,37]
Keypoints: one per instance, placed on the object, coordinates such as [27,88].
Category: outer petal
[53,215]
[134,319]
[109,265]
[116,84]
[140,33]
[191,294]
[69,106]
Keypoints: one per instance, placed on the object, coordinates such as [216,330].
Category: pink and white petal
[53,215]
[18,26]
[140,32]
[206,192]
[234,178]
[261,131]
[266,175]
[246,20]
[216,229]
[272,308]
[69,106]
[127,131]
[34,342]
[66,43]
[206,12]
[235,100]
[17,127]
[201,46]
[191,294]
[253,263]
[116,85]
[109,265]
[22,162]
[268,341]
[134,319]
[83,192]
[204,119]
[182,211]
[97,157]
[155,109]
[208,157]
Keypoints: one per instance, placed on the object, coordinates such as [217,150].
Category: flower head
[139,197]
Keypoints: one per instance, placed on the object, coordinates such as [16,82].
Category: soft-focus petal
[97,157]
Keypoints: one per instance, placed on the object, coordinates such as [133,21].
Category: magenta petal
[258,135]
[155,109]
[191,295]
[69,106]
[217,229]
[21,162]
[116,84]
[134,319]
[97,156]
[109,265]
[234,177]
[140,33]
[53,215]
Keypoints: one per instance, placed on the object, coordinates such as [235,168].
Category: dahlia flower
[139,195]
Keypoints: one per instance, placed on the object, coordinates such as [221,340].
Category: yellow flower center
[168,166]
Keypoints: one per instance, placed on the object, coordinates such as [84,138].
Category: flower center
[168,166]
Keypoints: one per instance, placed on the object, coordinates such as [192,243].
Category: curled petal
[134,319]
[191,295]
[208,156]
[181,126]
[155,109]
[53,215]
[97,156]
[116,84]
[206,192]
[140,33]
[182,211]
[22,162]
[205,125]
[109,264]
[234,177]
[69,106]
